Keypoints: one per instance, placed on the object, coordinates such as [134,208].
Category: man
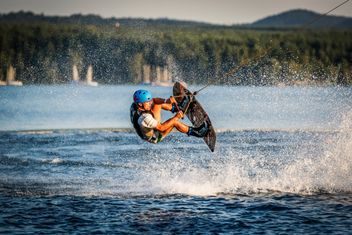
[146,118]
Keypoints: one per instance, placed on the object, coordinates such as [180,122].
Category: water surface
[282,164]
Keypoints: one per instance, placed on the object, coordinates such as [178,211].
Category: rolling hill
[288,19]
[91,19]
[299,17]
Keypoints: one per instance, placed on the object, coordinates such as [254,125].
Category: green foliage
[45,53]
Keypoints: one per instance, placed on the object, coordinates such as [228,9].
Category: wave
[57,161]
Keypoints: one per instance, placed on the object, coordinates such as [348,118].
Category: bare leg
[168,125]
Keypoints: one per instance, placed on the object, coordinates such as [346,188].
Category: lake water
[236,108]
[69,163]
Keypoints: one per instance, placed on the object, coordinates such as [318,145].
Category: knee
[162,127]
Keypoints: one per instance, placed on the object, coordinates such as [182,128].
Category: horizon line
[165,17]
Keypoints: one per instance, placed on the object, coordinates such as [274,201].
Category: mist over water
[283,157]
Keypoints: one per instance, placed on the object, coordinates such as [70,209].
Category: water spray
[260,57]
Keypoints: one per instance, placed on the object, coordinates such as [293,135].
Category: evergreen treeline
[45,52]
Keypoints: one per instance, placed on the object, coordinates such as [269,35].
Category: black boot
[200,131]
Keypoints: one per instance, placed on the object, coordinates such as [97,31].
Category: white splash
[56,161]
[330,171]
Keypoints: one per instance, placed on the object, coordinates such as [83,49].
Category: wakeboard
[188,103]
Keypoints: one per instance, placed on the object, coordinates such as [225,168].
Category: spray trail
[302,163]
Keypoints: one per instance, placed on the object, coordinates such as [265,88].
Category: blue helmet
[142,96]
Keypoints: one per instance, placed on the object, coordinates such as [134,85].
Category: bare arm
[159,100]
[169,123]
[166,104]
[170,100]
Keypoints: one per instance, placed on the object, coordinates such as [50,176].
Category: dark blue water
[286,169]
[234,214]
[110,181]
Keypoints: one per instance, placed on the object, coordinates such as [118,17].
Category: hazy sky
[213,11]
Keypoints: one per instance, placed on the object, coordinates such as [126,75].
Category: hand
[179,114]
[173,100]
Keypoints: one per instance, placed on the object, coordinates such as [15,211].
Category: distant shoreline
[119,52]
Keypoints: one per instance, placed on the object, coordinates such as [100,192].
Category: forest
[44,53]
